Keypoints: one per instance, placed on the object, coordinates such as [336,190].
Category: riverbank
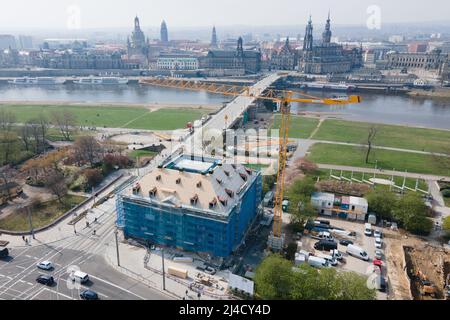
[439,93]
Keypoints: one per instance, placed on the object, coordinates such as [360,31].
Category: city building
[25,42]
[138,46]
[284,59]
[327,57]
[328,204]
[177,62]
[246,61]
[7,41]
[164,33]
[192,203]
[86,59]
[430,61]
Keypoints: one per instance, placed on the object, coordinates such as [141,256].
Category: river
[389,109]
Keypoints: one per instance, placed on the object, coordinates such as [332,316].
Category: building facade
[327,57]
[177,62]
[193,204]
[284,59]
[249,61]
[430,61]
[346,207]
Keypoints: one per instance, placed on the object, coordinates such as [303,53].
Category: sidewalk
[132,261]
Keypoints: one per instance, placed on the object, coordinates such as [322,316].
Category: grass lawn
[447,201]
[166,119]
[141,153]
[300,127]
[430,140]
[42,216]
[112,116]
[388,160]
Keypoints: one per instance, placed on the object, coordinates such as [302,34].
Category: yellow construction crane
[282,97]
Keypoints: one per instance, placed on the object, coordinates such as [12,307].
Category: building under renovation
[192,203]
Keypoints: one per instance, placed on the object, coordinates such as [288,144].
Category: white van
[330,259]
[318,262]
[80,276]
[357,252]
[368,229]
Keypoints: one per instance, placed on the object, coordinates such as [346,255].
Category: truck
[425,286]
[357,252]
[268,199]
[180,273]
[322,235]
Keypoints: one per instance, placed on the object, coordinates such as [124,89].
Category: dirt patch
[405,255]
[428,260]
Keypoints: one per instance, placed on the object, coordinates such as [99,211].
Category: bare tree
[56,183]
[8,146]
[88,149]
[43,125]
[7,174]
[26,134]
[7,119]
[65,120]
[370,138]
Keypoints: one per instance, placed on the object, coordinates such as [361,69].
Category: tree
[7,120]
[302,187]
[87,149]
[26,134]
[93,177]
[9,146]
[306,166]
[273,278]
[411,211]
[43,126]
[65,120]
[56,183]
[370,138]
[446,225]
[382,202]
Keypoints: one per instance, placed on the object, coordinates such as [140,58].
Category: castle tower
[164,32]
[326,35]
[308,40]
[214,38]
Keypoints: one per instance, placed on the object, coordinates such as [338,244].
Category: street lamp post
[31,223]
[117,246]
[163,269]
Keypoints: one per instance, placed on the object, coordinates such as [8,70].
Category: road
[85,251]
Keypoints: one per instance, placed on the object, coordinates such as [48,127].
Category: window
[194,200]
[213,203]
[158,177]
[152,192]
[178,181]
[199,184]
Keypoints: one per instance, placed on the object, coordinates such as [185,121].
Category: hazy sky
[99,14]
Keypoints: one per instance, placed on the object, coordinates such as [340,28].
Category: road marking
[118,287]
[37,293]
[21,267]
[59,293]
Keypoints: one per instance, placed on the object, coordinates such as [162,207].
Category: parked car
[368,229]
[345,242]
[378,234]
[45,265]
[378,254]
[336,254]
[4,253]
[210,270]
[89,295]
[378,243]
[45,279]
[325,245]
[381,284]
